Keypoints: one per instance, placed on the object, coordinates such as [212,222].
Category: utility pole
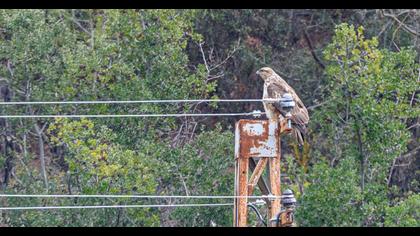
[257,146]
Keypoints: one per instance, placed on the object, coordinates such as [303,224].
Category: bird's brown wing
[299,113]
[275,90]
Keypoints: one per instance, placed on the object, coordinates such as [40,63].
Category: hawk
[274,88]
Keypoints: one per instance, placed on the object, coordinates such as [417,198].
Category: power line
[125,206]
[129,196]
[136,101]
[254,113]
[114,206]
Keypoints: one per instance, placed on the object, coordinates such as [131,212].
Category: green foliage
[96,165]
[117,54]
[207,169]
[368,99]
[405,213]
[202,166]
[332,198]
[94,158]
[370,92]
[97,55]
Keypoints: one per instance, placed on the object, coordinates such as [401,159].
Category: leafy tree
[96,165]
[207,168]
[371,95]
[333,196]
[94,55]
[362,97]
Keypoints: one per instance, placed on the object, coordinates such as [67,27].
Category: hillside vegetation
[357,72]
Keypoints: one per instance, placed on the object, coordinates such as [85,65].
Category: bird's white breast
[269,108]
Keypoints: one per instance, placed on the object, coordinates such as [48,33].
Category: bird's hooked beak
[258,72]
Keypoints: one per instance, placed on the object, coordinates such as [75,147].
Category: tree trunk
[41,155]
[362,158]
[7,141]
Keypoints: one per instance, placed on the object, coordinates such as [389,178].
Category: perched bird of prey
[274,88]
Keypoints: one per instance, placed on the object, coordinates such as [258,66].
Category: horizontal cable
[113,206]
[136,101]
[127,196]
[124,206]
[256,113]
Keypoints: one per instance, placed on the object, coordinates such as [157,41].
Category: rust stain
[257,138]
[253,139]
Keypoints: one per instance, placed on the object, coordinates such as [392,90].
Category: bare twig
[317,105]
[77,22]
[210,66]
[235,48]
[414,126]
[406,27]
[384,28]
[409,154]
[9,68]
[183,183]
[204,57]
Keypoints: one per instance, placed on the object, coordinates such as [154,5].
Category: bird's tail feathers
[299,131]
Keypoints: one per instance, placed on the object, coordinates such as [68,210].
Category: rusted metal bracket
[262,184]
[256,175]
[257,139]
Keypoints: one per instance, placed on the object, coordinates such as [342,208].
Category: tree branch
[409,154]
[311,48]
[406,27]
[42,154]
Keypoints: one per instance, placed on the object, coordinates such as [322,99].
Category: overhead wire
[134,101]
[122,206]
[131,196]
[114,206]
[257,113]
[254,113]
[258,202]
